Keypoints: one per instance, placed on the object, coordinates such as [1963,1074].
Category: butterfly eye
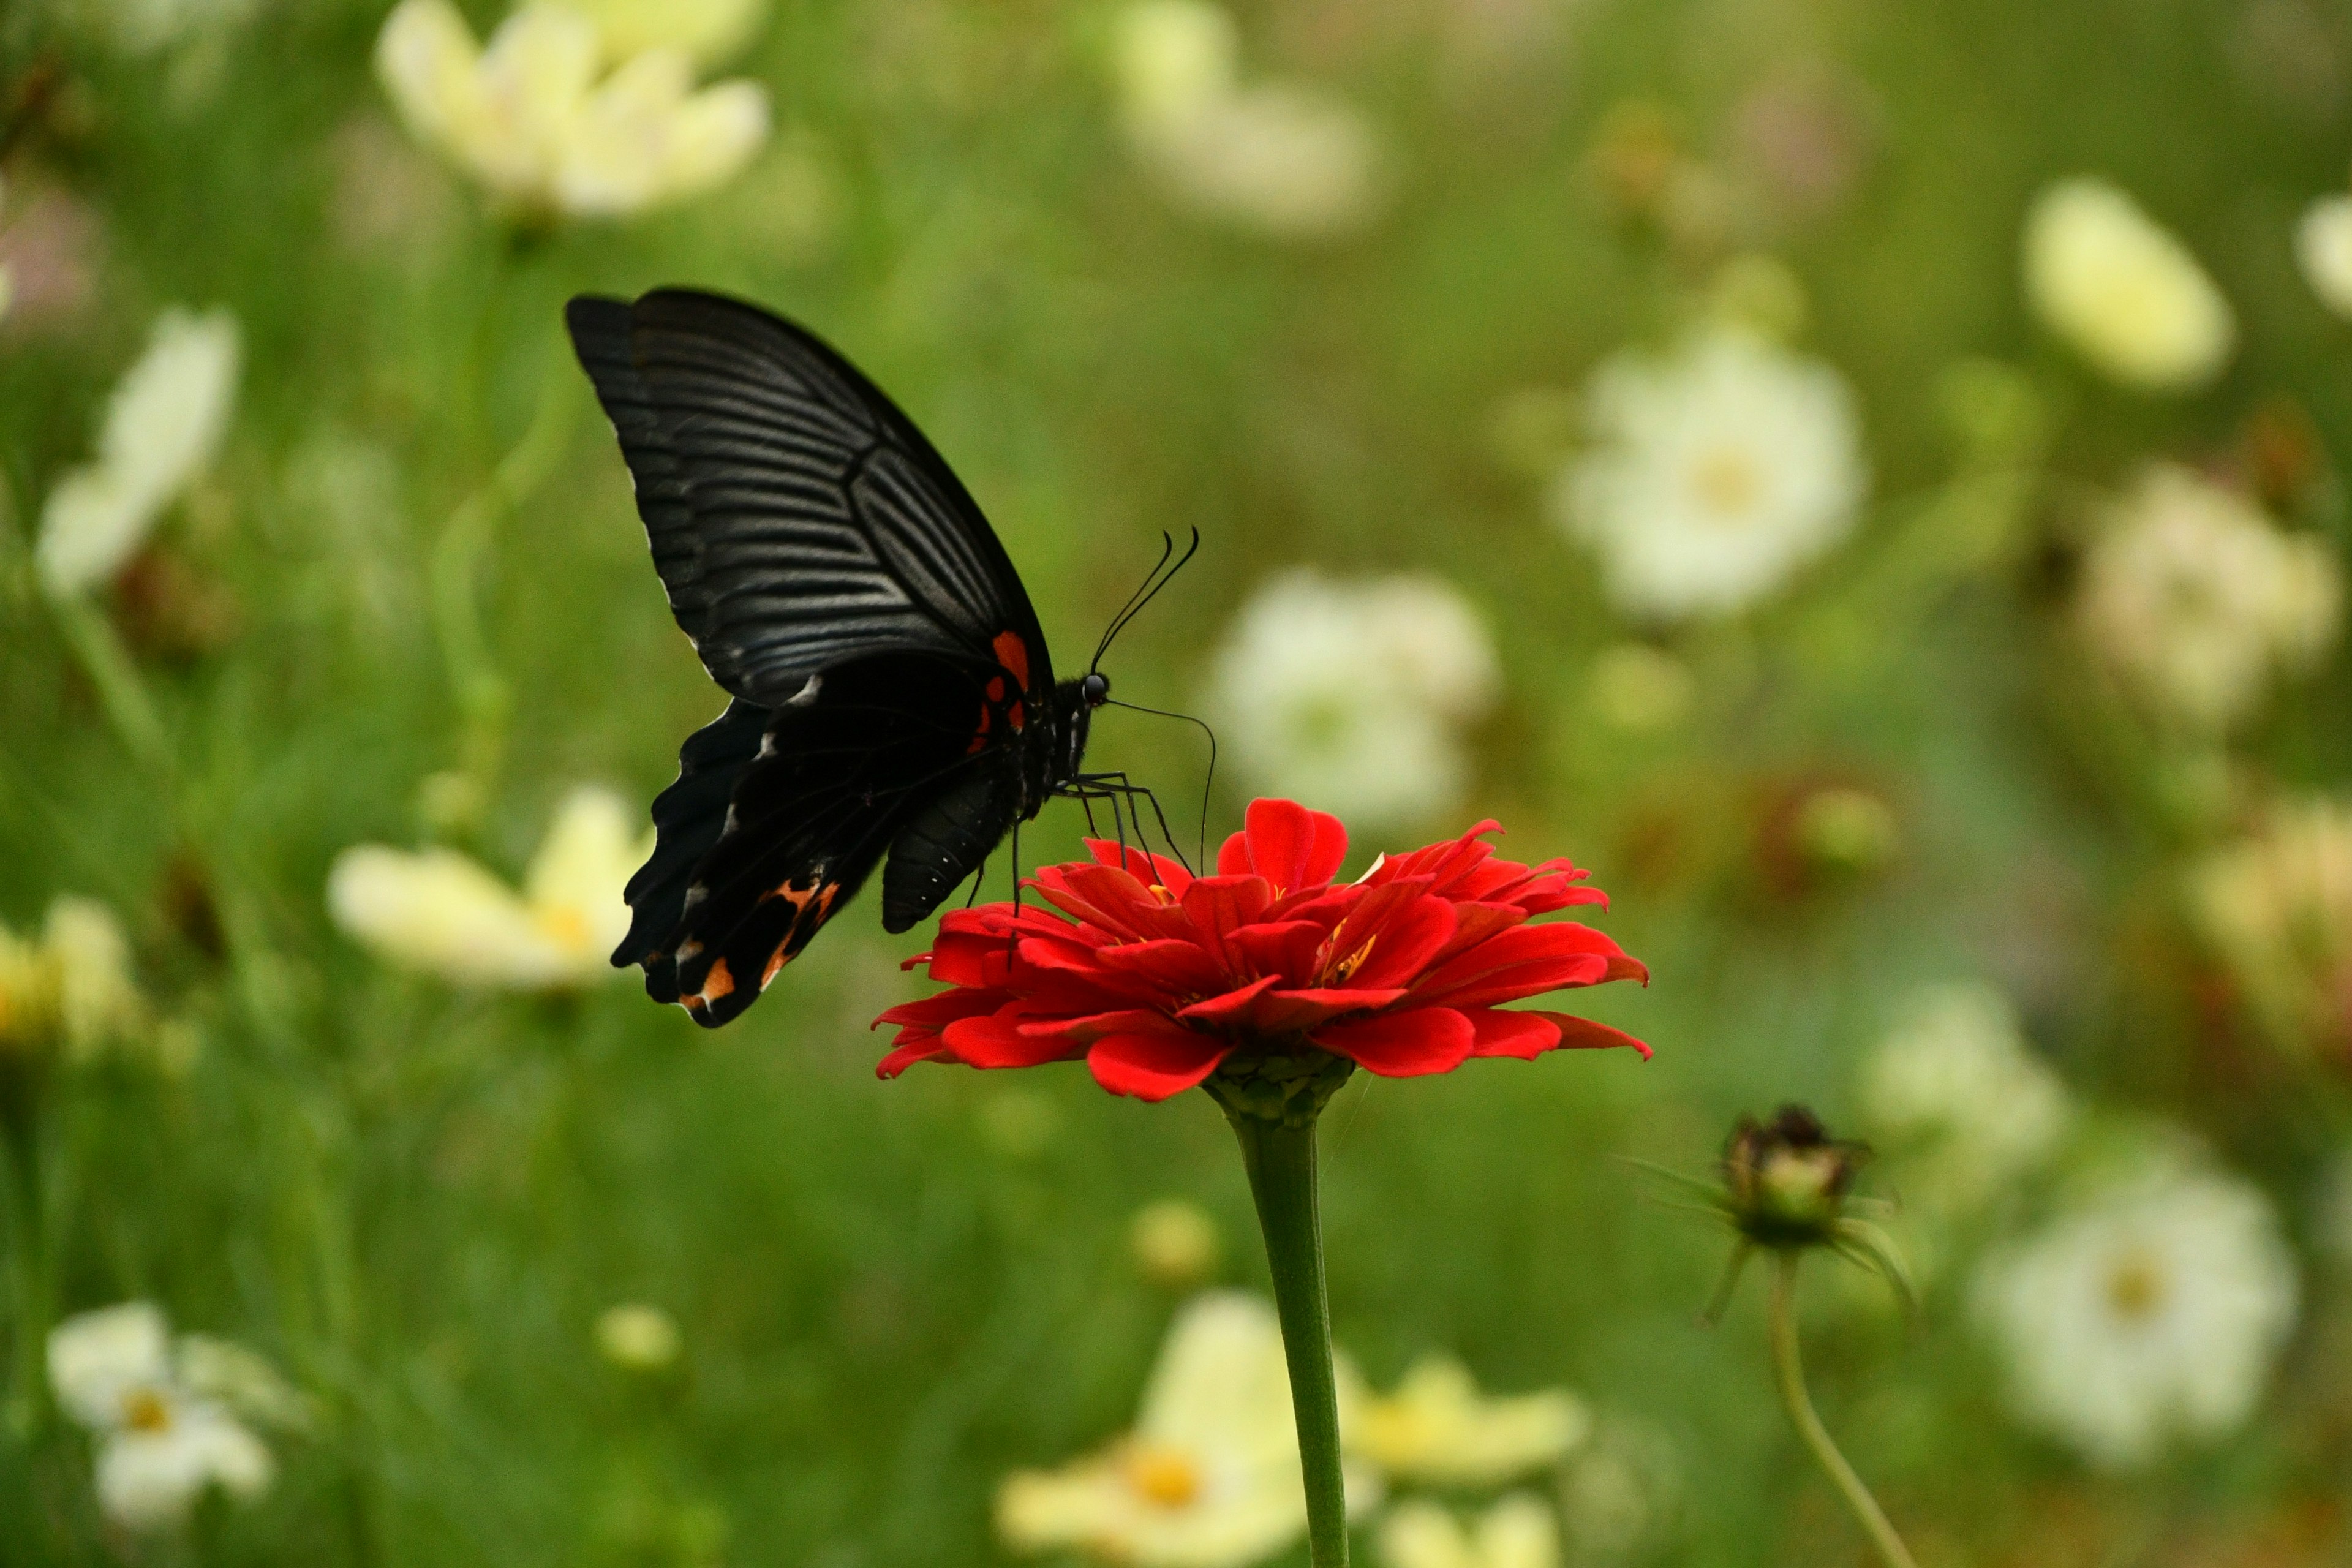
[1095,689]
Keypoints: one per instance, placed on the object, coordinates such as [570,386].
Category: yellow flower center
[1168,1477]
[1727,482]
[144,1410]
[1346,968]
[2136,1286]
[564,925]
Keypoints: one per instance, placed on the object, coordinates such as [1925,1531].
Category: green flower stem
[1279,1153]
[29,1254]
[115,676]
[1789,1372]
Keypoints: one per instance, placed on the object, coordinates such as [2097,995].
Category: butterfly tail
[689,818]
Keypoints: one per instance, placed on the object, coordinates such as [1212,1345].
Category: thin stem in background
[115,675]
[1788,1373]
[28,1255]
[1280,1158]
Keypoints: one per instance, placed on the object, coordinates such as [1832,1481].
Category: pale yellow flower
[1437,1427]
[164,426]
[2125,294]
[162,1442]
[1287,159]
[2196,600]
[709,30]
[2323,246]
[637,1337]
[438,912]
[1518,1531]
[1209,1477]
[71,991]
[1175,1243]
[536,118]
[2277,907]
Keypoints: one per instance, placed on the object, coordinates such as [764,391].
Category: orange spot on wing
[1013,655]
[717,984]
[1018,715]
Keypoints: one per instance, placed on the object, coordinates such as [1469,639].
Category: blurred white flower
[163,426]
[2148,1317]
[709,30]
[1286,158]
[438,910]
[1956,1088]
[2323,244]
[2122,291]
[160,1443]
[1716,473]
[637,1337]
[2277,907]
[1208,1478]
[1175,1243]
[1438,1428]
[2194,599]
[535,118]
[1517,1532]
[1353,695]
[71,990]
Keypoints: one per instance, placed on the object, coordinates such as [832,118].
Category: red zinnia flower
[1156,977]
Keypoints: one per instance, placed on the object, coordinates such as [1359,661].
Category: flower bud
[1786,1180]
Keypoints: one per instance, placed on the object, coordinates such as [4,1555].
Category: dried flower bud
[1785,1179]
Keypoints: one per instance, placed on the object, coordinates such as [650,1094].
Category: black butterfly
[892,691]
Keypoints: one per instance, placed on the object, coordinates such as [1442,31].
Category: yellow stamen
[1168,1477]
[144,1410]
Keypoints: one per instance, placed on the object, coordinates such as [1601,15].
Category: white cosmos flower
[1438,1428]
[1956,1087]
[1209,1477]
[2323,246]
[160,1441]
[438,912]
[536,119]
[1353,695]
[1518,1531]
[2122,291]
[1287,159]
[2194,598]
[2146,1318]
[70,990]
[1716,473]
[163,428]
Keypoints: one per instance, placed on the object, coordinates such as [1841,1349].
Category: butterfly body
[893,700]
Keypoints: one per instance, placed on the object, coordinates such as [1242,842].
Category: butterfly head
[1094,690]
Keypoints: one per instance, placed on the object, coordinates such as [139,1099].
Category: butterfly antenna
[1207,782]
[1152,584]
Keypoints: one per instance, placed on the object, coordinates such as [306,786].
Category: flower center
[144,1410]
[1727,482]
[1346,968]
[2135,1286]
[564,925]
[1168,1477]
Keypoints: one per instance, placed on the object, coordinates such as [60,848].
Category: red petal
[1141,863]
[1154,1066]
[1290,1012]
[1526,1036]
[905,1057]
[1290,846]
[1405,937]
[1174,968]
[1520,946]
[1085,1028]
[1409,1044]
[1284,949]
[995,1041]
[1220,904]
[1218,1011]
[1583,1035]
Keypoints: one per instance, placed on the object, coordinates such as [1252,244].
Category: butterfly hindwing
[777,833]
[797,518]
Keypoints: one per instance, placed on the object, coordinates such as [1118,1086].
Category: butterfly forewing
[796,517]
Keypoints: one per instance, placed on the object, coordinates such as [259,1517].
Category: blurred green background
[416,1198]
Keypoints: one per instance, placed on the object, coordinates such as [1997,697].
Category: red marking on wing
[1013,655]
[1019,715]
